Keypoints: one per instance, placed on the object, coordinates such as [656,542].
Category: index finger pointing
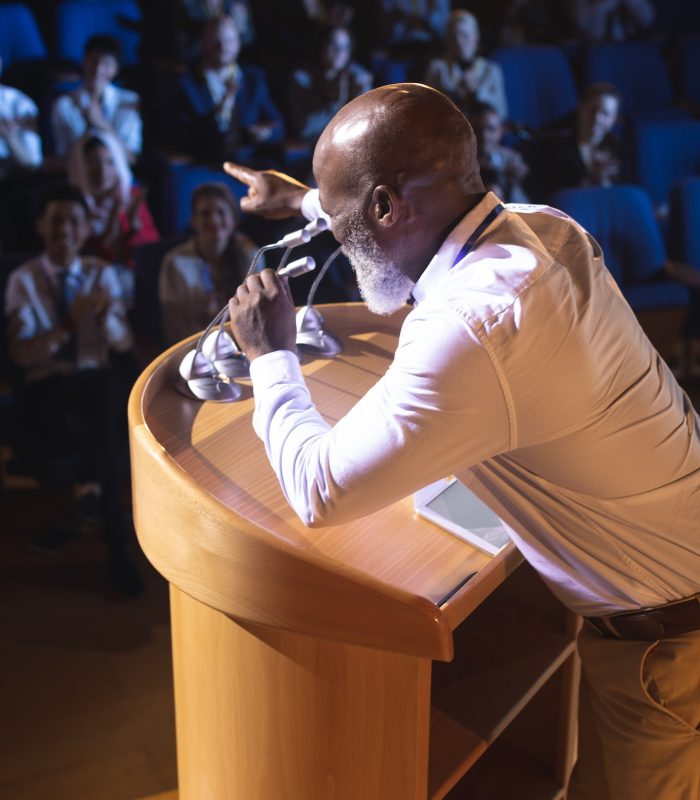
[241,173]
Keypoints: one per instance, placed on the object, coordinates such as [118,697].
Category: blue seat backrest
[637,69]
[179,183]
[676,16]
[690,68]
[666,152]
[539,84]
[20,39]
[78,20]
[621,219]
[684,221]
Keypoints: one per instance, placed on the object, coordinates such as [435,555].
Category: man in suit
[223,108]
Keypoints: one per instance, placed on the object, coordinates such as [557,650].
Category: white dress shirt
[523,371]
[17,107]
[32,311]
[119,106]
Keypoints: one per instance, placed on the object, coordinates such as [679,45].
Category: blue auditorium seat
[639,71]
[78,20]
[179,181]
[666,152]
[690,68]
[621,219]
[539,84]
[684,241]
[20,39]
[677,17]
[684,221]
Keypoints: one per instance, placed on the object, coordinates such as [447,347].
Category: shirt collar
[108,100]
[74,268]
[441,263]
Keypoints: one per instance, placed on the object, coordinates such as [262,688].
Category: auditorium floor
[85,675]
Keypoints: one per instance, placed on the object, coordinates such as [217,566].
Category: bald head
[400,134]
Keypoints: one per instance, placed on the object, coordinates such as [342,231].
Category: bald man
[521,370]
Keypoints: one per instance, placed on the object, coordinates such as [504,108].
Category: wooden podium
[383,659]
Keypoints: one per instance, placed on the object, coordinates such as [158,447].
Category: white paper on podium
[451,505]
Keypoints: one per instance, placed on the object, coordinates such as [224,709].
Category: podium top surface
[211,517]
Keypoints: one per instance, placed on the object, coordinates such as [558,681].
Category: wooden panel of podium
[382,659]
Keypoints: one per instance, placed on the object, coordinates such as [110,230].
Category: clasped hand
[262,315]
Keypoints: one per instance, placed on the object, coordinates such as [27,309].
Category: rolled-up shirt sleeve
[439,409]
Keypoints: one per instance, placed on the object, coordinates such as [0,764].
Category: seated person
[198,277]
[502,168]
[97,104]
[69,337]
[20,157]
[463,75]
[412,26]
[611,20]
[223,109]
[585,152]
[119,217]
[20,144]
[319,92]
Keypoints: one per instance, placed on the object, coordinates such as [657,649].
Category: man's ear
[384,206]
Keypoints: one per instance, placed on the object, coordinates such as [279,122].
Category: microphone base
[319,343]
[311,338]
[222,392]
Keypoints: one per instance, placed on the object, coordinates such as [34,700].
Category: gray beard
[383,286]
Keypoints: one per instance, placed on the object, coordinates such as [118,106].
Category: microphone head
[296,268]
[295,238]
[316,226]
[220,348]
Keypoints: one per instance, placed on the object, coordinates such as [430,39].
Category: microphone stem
[210,327]
[319,277]
[256,258]
[284,259]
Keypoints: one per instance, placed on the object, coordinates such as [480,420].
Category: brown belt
[650,624]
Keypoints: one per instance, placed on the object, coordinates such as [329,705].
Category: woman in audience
[119,216]
[462,74]
[198,277]
[586,152]
[318,93]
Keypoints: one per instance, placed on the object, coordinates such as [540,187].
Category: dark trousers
[73,429]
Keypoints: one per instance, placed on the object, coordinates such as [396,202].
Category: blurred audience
[461,73]
[585,152]
[69,336]
[198,277]
[223,109]
[503,169]
[20,144]
[318,93]
[611,20]
[413,26]
[119,216]
[97,103]
[20,157]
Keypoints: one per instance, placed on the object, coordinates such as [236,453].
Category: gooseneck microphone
[311,336]
[209,371]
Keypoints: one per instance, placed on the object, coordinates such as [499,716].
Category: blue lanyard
[476,234]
